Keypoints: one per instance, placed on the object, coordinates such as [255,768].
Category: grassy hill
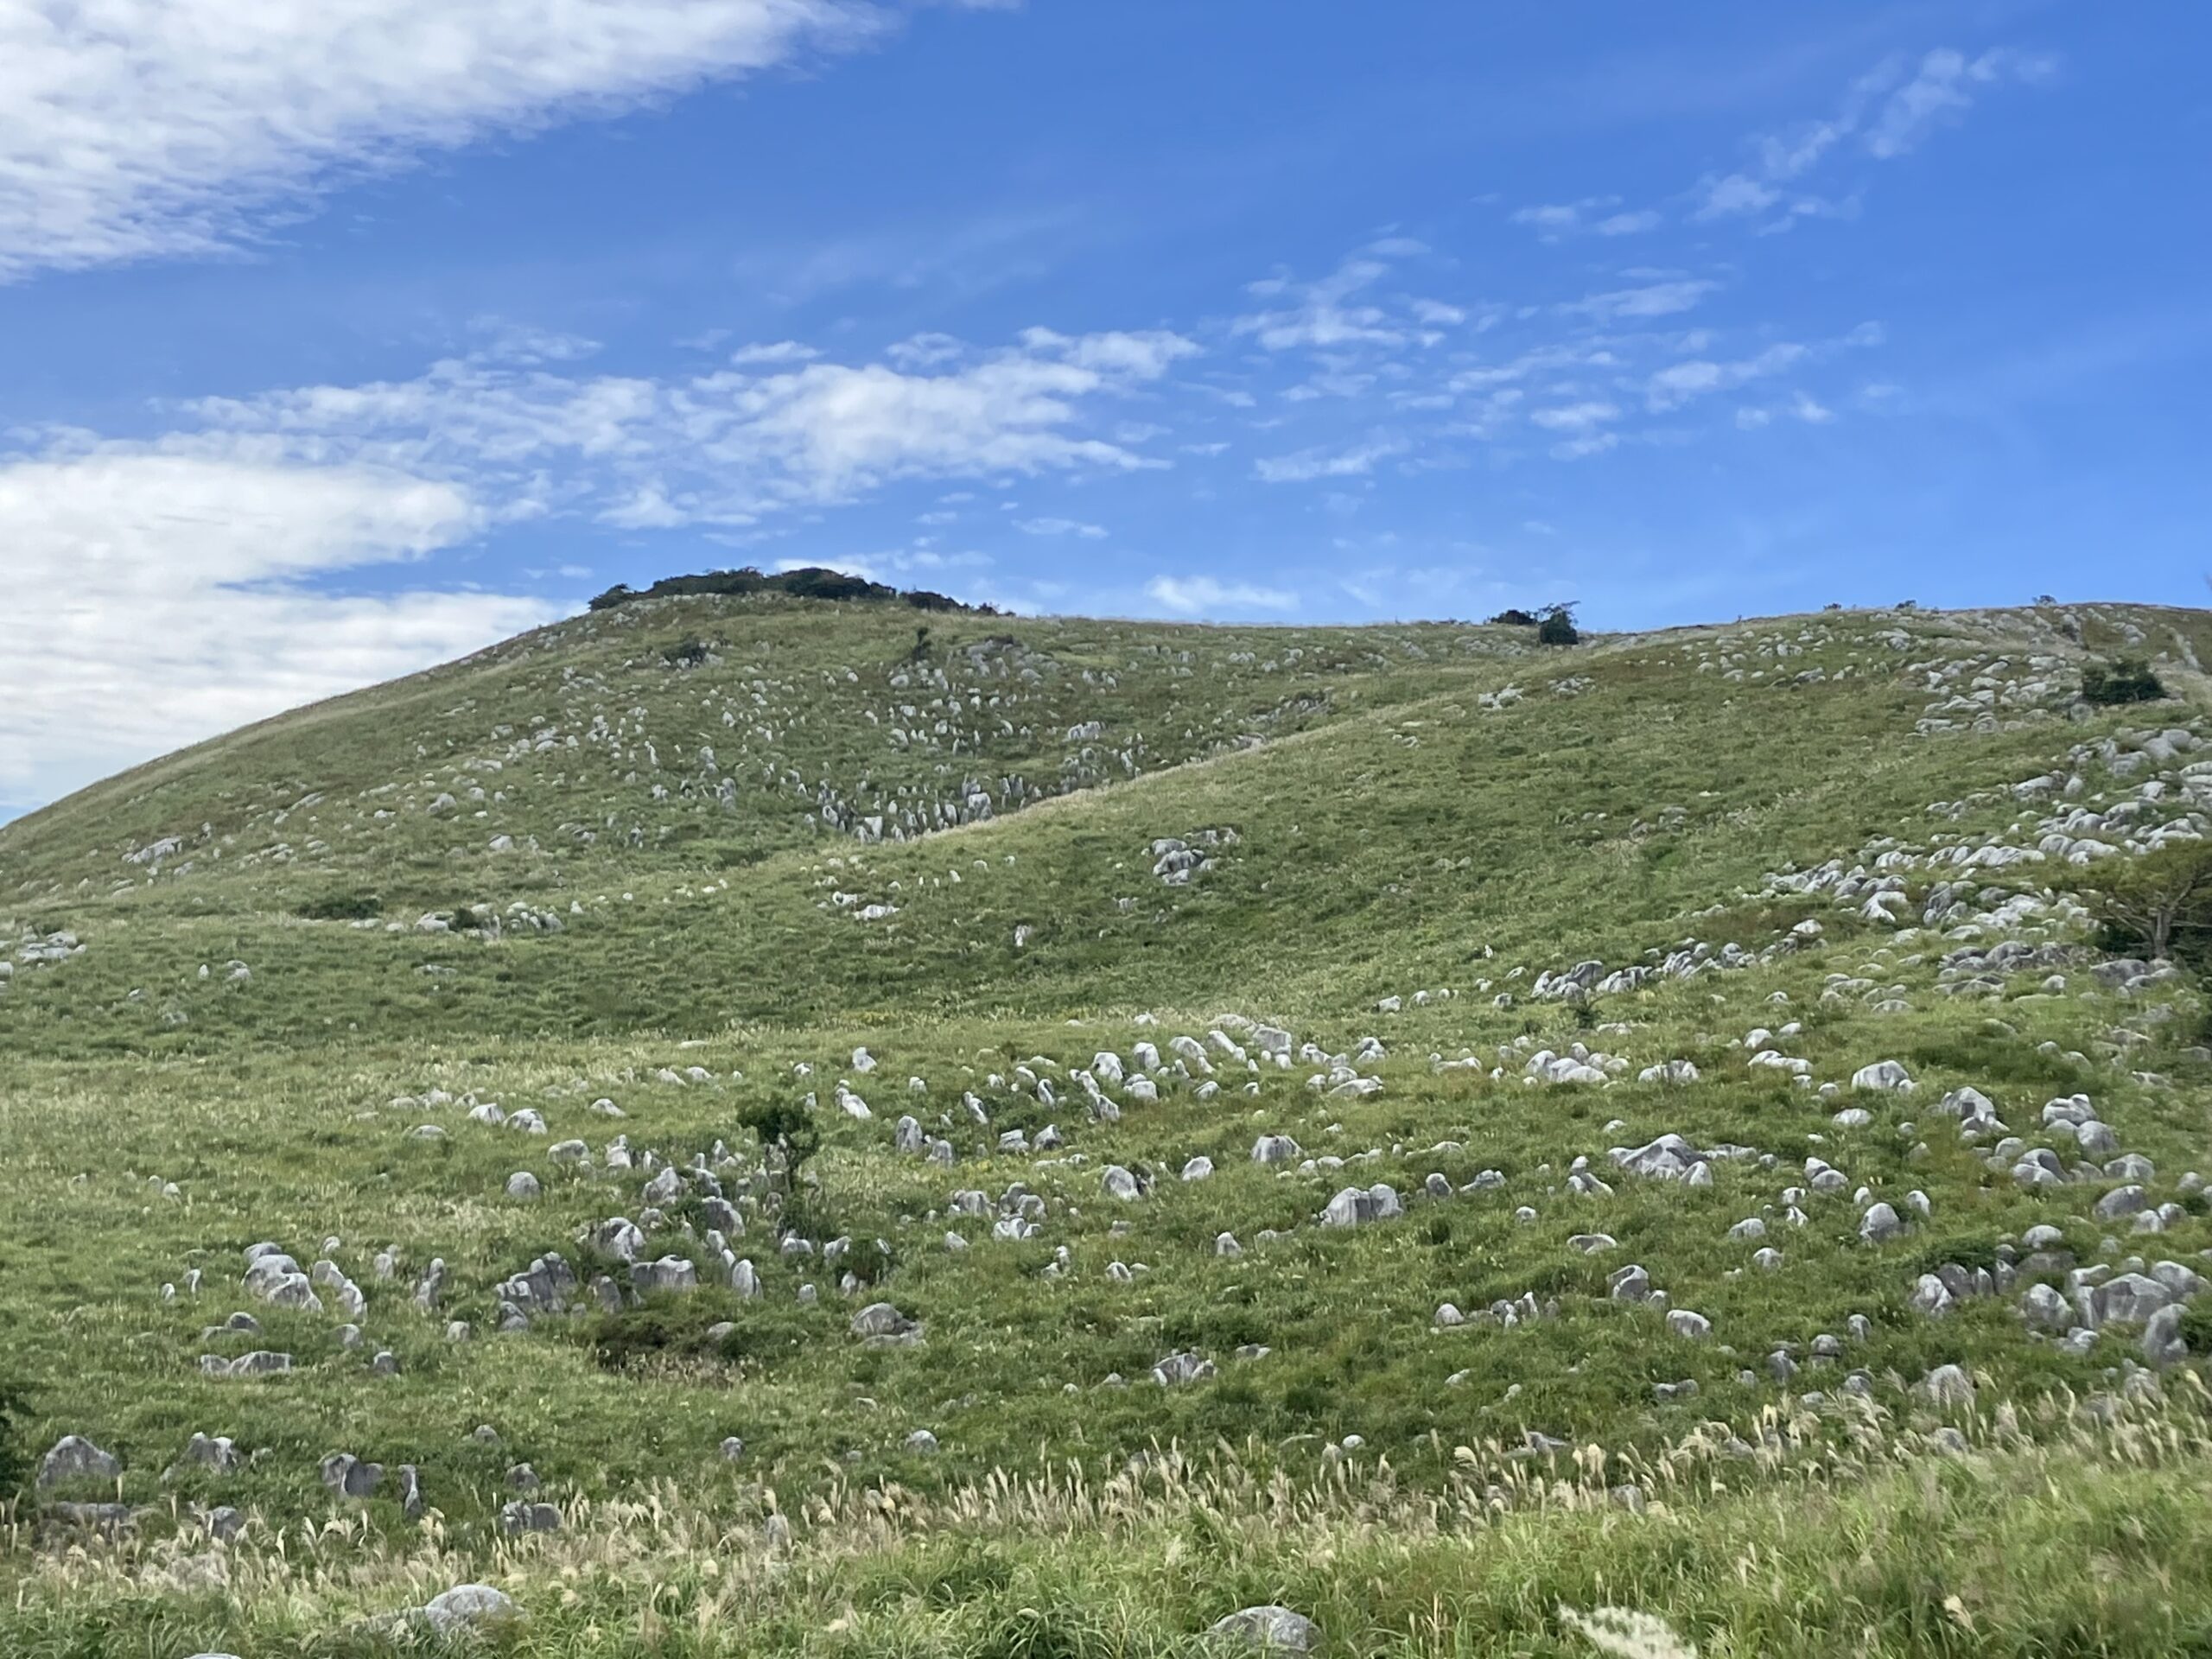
[1091,974]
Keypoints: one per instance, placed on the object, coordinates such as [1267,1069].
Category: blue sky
[335,339]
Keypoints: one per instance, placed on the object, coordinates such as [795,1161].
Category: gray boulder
[881,1325]
[1888,1076]
[217,1451]
[2122,1201]
[1182,1368]
[1948,1385]
[1354,1205]
[1268,1630]
[521,1516]
[1880,1222]
[469,1607]
[671,1273]
[2162,1337]
[1931,1296]
[74,1458]
[2129,1298]
[348,1477]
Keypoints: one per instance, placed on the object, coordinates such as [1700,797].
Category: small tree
[1557,627]
[2159,905]
[787,1126]
[2125,679]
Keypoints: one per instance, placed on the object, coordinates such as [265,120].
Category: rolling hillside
[772,1131]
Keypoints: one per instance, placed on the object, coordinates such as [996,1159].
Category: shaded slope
[679,733]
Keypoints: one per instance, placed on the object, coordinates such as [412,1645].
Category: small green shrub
[677,1327]
[2123,680]
[1557,627]
[344,905]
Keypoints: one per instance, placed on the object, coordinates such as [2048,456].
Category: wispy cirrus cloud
[133,128]
[1663,298]
[1575,417]
[1885,114]
[1208,596]
[779,429]
[1346,310]
[1050,526]
[1309,465]
[1679,383]
[1941,89]
[1592,216]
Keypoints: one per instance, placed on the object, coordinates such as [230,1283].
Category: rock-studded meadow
[734,1126]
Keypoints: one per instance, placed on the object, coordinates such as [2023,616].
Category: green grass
[1398,828]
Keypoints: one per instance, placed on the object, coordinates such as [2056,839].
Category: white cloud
[1627,223]
[136,127]
[1593,443]
[1888,110]
[724,448]
[1310,464]
[1324,318]
[1677,383]
[781,351]
[1337,312]
[889,566]
[1650,300]
[1941,90]
[1330,383]
[1206,596]
[1810,409]
[1060,527]
[1561,216]
[924,351]
[1737,193]
[170,591]
[1575,418]
[1552,220]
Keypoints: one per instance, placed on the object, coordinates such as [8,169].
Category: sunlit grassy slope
[687,857]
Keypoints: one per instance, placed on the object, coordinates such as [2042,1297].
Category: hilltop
[921,1130]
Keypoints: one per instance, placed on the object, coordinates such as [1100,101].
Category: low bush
[2123,680]
[353,905]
